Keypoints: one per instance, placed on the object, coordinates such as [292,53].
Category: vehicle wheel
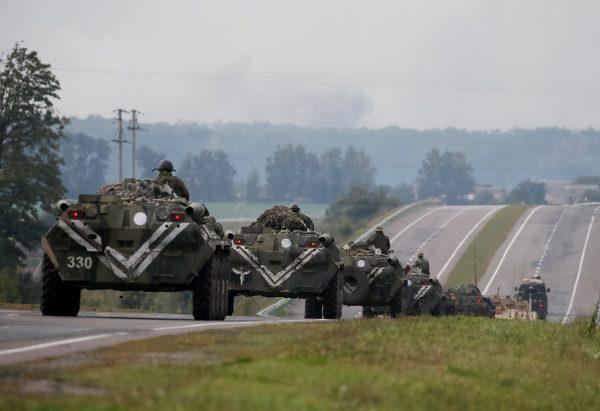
[355,286]
[58,298]
[230,304]
[332,298]
[211,289]
[313,308]
[367,312]
[397,305]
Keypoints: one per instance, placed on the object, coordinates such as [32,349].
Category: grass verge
[384,364]
[478,255]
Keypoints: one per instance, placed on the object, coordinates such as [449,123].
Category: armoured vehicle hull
[427,295]
[466,299]
[281,263]
[103,242]
[374,282]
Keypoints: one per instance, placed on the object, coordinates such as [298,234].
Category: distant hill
[501,158]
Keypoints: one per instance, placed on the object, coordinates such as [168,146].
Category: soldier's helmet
[164,165]
[420,255]
[536,277]
[379,229]
[294,207]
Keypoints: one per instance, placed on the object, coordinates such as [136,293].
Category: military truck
[533,291]
[466,299]
[141,244]
[275,262]
[374,281]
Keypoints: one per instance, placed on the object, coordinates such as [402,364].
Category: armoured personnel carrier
[466,299]
[278,257]
[374,281]
[133,243]
[427,294]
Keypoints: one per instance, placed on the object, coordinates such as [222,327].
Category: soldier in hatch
[379,240]
[165,175]
[305,219]
[422,263]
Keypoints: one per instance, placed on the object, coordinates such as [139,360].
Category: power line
[385,83]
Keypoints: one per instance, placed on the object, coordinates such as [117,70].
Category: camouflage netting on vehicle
[280,218]
[132,188]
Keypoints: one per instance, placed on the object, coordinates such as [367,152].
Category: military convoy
[146,236]
[159,242]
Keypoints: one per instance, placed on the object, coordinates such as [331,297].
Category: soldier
[422,263]
[305,219]
[165,175]
[379,240]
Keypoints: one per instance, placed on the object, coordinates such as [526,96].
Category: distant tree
[147,159]
[253,186]
[484,197]
[361,202]
[403,192]
[357,169]
[85,163]
[528,192]
[30,130]
[292,174]
[332,179]
[592,180]
[590,195]
[446,174]
[208,175]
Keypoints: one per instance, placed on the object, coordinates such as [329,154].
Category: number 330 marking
[79,262]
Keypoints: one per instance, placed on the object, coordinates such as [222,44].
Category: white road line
[53,344]
[459,246]
[413,223]
[434,233]
[585,244]
[538,268]
[217,324]
[512,241]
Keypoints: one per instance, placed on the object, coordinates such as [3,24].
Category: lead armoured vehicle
[132,243]
[374,281]
[275,259]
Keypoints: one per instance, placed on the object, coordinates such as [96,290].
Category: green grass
[477,257]
[377,364]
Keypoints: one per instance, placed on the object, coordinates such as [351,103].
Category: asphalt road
[560,244]
[27,335]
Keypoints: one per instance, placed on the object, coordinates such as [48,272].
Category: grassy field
[376,364]
[476,258]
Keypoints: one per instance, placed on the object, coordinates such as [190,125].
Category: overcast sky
[470,64]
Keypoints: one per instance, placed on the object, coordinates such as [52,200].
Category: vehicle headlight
[286,243]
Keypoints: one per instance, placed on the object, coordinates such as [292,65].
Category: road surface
[27,335]
[560,243]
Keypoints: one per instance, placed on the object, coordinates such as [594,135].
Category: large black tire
[58,298]
[397,305]
[313,308]
[355,286]
[211,289]
[230,304]
[367,312]
[332,298]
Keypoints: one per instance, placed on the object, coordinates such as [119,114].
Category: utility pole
[134,127]
[119,140]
